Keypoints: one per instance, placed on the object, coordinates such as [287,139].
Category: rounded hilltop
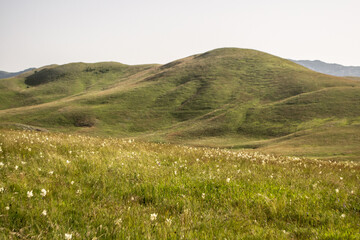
[222,94]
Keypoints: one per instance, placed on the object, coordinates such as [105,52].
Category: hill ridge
[223,95]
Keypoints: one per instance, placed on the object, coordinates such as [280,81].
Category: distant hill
[226,97]
[330,68]
[12,74]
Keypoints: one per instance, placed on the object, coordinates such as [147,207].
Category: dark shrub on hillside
[80,119]
[44,76]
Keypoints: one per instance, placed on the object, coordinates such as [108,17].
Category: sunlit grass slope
[55,82]
[54,186]
[228,94]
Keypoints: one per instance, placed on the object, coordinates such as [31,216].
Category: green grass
[327,142]
[354,78]
[56,82]
[224,97]
[107,188]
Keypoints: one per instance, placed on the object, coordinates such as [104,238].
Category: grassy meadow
[61,186]
[114,151]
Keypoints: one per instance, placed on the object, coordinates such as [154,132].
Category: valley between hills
[228,98]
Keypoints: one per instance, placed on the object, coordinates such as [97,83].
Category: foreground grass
[100,188]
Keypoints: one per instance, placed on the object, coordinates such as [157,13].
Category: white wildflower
[2,189]
[203,195]
[337,190]
[343,215]
[1,164]
[68,236]
[72,182]
[44,213]
[16,167]
[153,216]
[341,178]
[30,194]
[23,163]
[118,221]
[228,180]
[175,172]
[43,192]
[67,161]
[7,208]
[78,191]
[168,221]
[51,172]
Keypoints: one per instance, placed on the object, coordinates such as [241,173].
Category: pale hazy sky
[35,33]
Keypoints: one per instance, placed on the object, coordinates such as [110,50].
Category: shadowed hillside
[226,97]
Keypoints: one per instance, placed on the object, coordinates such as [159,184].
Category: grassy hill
[54,82]
[54,185]
[354,78]
[225,97]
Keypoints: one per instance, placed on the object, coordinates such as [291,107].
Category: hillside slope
[238,96]
[55,82]
[52,184]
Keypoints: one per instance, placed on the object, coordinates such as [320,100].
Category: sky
[35,33]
